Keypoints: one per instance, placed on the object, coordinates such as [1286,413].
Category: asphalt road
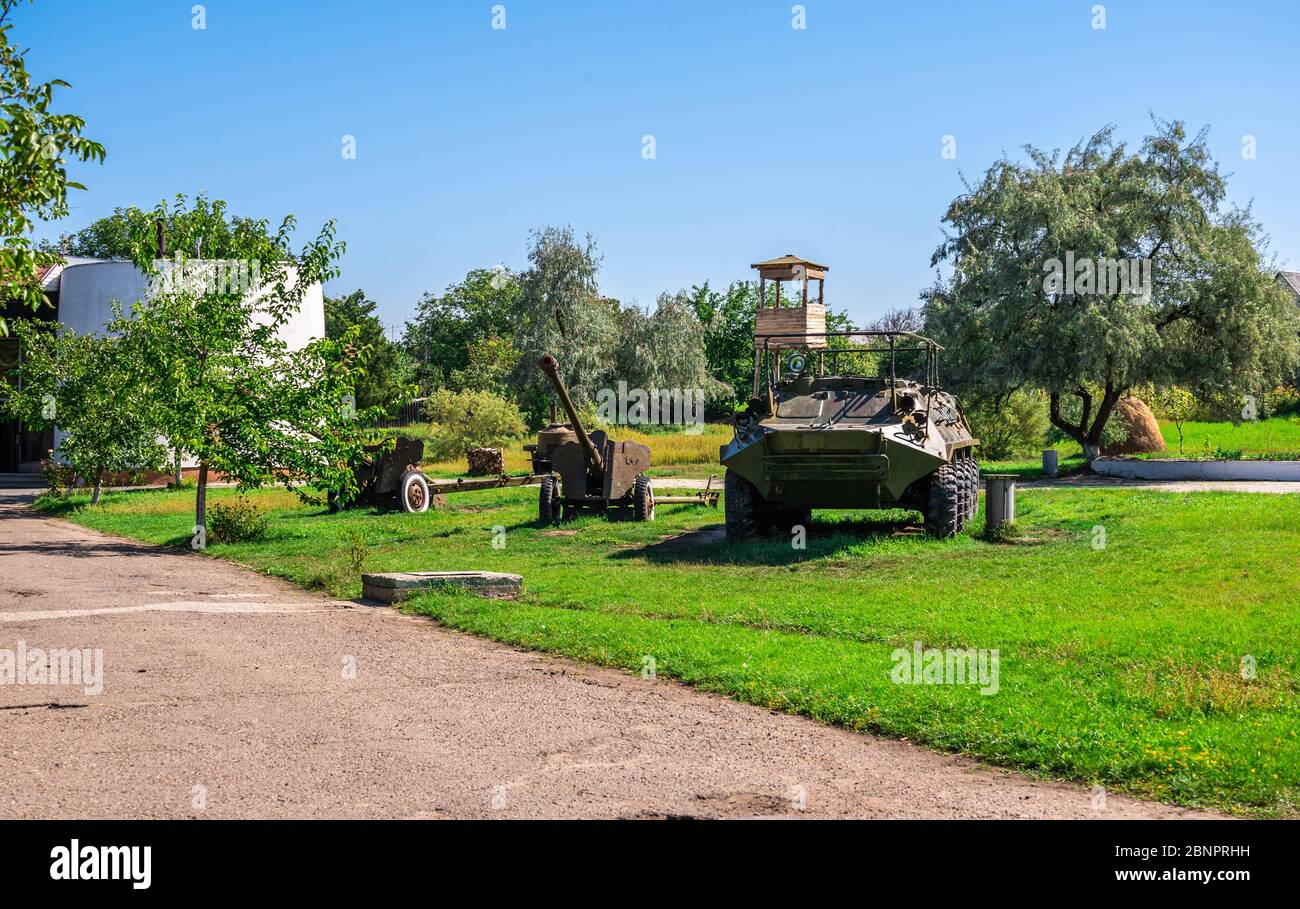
[226,694]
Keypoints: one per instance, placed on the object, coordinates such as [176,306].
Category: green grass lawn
[1118,665]
[1273,439]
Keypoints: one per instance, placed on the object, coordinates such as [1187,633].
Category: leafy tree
[1014,424]
[1211,318]
[561,312]
[231,392]
[35,145]
[469,419]
[728,322]
[93,388]
[902,318]
[387,376]
[1175,404]
[491,361]
[104,238]
[665,349]
[445,327]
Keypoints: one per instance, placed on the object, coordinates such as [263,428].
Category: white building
[82,292]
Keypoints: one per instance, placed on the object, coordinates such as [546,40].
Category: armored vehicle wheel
[548,500]
[963,487]
[973,469]
[643,500]
[413,491]
[943,511]
[743,507]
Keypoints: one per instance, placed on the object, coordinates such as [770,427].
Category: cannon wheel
[643,499]
[413,492]
[548,500]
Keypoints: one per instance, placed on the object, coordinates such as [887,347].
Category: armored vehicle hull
[815,440]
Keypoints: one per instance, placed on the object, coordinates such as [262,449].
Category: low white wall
[1175,469]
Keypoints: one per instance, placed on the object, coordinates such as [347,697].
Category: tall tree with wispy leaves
[1211,318]
[35,146]
[561,312]
[664,348]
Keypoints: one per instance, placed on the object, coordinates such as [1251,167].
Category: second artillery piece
[588,471]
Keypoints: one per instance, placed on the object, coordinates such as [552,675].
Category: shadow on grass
[708,545]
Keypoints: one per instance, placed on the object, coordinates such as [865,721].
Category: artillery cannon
[387,473]
[589,470]
[386,476]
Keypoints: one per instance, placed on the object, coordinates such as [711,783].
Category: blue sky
[824,141]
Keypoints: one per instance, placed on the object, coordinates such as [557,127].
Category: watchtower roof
[788,266]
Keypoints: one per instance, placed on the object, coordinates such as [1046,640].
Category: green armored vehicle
[848,420]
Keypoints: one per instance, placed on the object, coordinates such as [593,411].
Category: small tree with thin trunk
[1037,298]
[232,394]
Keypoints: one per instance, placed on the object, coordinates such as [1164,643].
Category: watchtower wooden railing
[804,322]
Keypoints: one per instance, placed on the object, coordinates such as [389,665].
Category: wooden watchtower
[797,318]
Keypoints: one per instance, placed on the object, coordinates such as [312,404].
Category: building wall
[86,294]
[87,291]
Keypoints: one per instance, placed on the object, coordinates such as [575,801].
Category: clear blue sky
[824,142]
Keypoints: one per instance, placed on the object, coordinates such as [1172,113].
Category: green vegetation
[1277,439]
[1119,665]
[1050,285]
[34,184]
[461,420]
[238,521]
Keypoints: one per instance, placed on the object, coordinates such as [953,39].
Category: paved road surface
[224,695]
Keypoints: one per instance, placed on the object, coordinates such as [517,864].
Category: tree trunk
[1092,450]
[201,502]
[1054,414]
[178,468]
[1088,436]
[99,480]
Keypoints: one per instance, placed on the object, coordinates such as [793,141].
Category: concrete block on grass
[393,587]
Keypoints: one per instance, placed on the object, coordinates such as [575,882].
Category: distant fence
[406,415]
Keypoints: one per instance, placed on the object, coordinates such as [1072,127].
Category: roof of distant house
[1292,278]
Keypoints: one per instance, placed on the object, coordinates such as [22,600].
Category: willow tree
[560,311]
[1093,273]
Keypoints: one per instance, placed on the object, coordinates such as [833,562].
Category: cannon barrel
[552,369]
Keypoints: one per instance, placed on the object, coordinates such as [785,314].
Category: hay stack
[1141,430]
[484,462]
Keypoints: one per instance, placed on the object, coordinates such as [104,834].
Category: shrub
[1013,427]
[462,420]
[238,522]
[1283,401]
[59,477]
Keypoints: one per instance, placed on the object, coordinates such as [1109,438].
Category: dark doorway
[9,431]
